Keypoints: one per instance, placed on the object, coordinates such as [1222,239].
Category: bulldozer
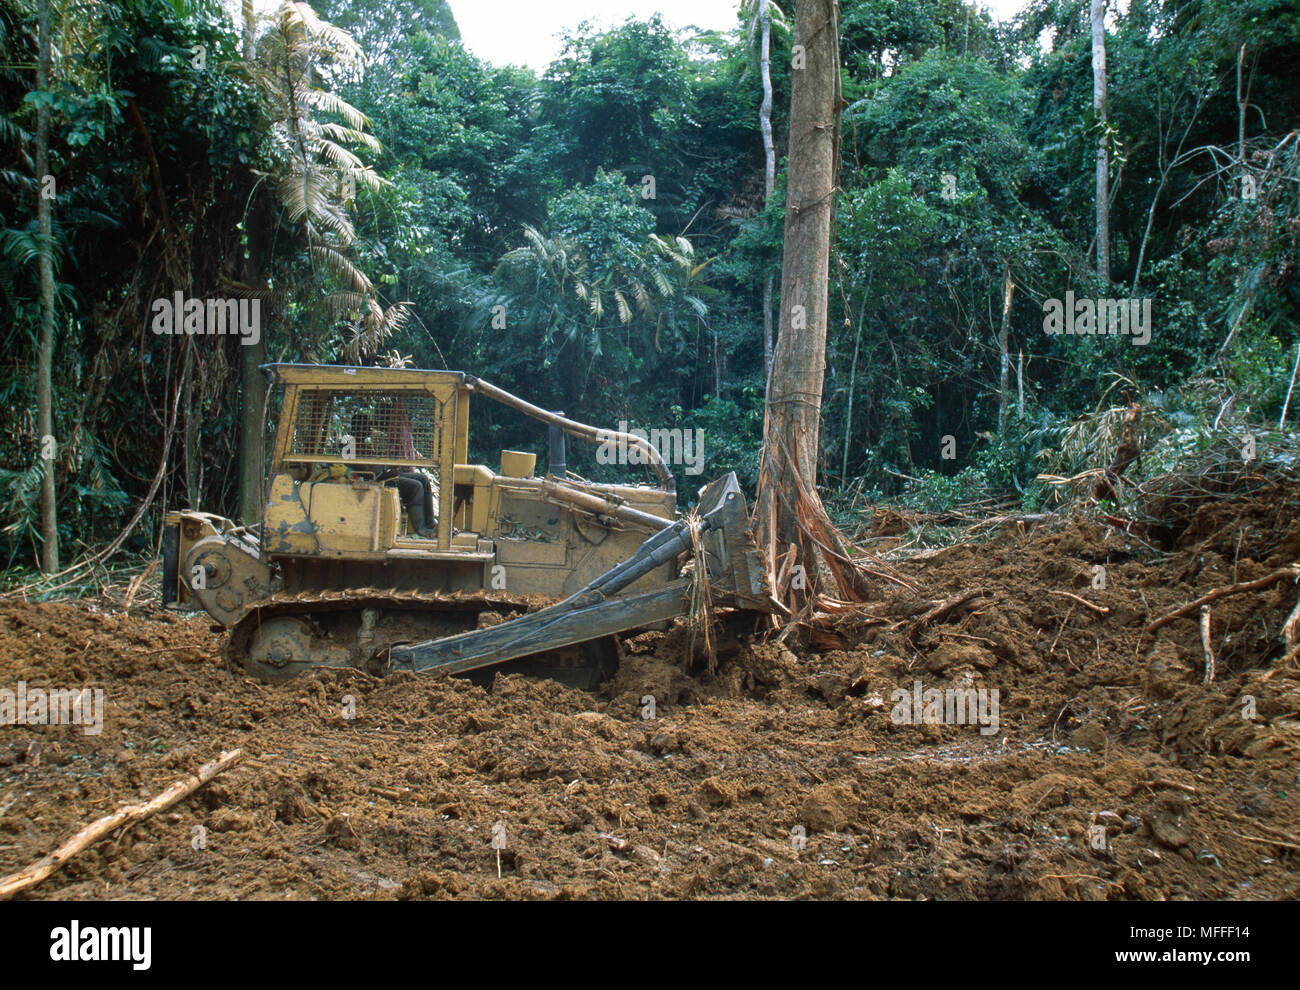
[491,567]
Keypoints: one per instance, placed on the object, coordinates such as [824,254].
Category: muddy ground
[1114,771]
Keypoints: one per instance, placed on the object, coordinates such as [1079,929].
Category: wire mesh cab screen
[393,427]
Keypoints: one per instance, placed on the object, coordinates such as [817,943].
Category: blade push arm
[595,611]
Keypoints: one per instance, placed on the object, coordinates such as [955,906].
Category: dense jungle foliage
[595,239]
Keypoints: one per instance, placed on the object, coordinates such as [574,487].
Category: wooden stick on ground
[1099,609]
[134,586]
[938,612]
[1268,842]
[124,815]
[1205,644]
[1232,589]
[1064,622]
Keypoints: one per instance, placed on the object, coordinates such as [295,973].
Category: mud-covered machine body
[517,566]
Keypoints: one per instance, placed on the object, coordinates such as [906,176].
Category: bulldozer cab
[344,436]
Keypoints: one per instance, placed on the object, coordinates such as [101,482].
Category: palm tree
[553,284]
[311,132]
[317,173]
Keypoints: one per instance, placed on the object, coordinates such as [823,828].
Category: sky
[525,32]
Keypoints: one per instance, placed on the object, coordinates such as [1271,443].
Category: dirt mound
[1103,767]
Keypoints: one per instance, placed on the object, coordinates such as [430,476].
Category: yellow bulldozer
[381,547]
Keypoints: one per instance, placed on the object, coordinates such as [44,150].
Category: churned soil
[1113,771]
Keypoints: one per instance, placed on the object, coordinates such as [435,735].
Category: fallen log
[92,833]
[1232,589]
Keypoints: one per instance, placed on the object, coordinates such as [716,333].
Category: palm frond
[624,310]
[339,42]
[340,156]
[341,266]
[349,135]
[323,99]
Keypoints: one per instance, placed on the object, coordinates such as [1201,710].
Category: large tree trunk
[1098,15]
[769,166]
[792,526]
[45,347]
[252,384]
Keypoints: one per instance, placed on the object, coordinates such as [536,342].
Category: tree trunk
[769,167]
[1098,14]
[45,348]
[193,417]
[853,378]
[717,368]
[767,334]
[1165,167]
[1004,398]
[1020,385]
[790,521]
[248,33]
[252,384]
[1241,110]
[253,393]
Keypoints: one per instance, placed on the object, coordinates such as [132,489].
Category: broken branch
[1205,644]
[92,833]
[1232,589]
[1099,609]
[939,611]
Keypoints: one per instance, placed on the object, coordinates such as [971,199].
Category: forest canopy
[596,237]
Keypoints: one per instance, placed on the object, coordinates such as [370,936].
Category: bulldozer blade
[542,631]
[727,558]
